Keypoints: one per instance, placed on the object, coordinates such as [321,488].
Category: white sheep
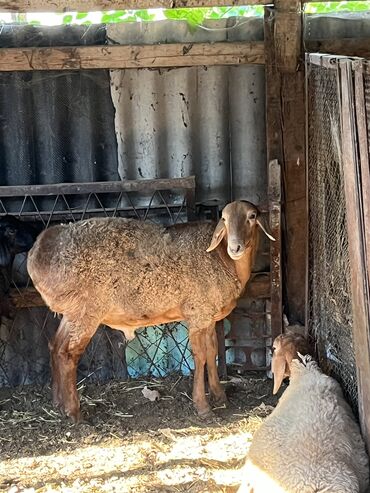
[311,442]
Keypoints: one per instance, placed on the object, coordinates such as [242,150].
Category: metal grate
[24,354]
[329,291]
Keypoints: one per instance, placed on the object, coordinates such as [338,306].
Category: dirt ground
[128,443]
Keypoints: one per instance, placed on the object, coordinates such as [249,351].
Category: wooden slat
[259,286]
[131,56]
[288,34]
[175,54]
[275,156]
[359,47]
[275,248]
[285,127]
[98,5]
[355,225]
[26,298]
[361,121]
[99,187]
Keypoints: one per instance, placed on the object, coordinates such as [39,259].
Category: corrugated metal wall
[62,126]
[207,121]
[137,123]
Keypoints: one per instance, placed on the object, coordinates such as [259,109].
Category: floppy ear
[218,234]
[5,256]
[278,366]
[269,235]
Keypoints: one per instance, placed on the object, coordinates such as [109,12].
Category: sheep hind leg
[58,340]
[216,390]
[199,350]
[68,345]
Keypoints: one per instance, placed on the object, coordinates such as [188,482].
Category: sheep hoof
[220,400]
[205,413]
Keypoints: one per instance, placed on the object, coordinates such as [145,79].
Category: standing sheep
[129,274]
[311,442]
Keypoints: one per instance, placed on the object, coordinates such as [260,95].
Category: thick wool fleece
[310,443]
[132,269]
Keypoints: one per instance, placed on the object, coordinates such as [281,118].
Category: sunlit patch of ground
[162,448]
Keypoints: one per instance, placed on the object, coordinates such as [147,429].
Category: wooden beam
[288,34]
[186,183]
[99,5]
[359,47]
[130,56]
[257,287]
[356,194]
[275,248]
[285,121]
[25,298]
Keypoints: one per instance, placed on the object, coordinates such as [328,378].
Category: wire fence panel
[24,337]
[329,278]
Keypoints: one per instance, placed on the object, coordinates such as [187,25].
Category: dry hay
[129,444]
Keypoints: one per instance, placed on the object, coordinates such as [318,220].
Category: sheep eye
[253,215]
[223,219]
[11,231]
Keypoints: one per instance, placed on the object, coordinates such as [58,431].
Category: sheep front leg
[68,345]
[198,345]
[215,387]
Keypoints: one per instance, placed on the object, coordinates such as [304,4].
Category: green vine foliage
[193,16]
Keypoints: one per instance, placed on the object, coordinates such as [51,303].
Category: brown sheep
[129,274]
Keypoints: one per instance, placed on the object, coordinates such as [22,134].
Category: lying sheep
[311,442]
[129,274]
[16,236]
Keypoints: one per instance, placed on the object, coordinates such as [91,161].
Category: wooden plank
[289,58]
[98,187]
[274,155]
[294,201]
[259,286]
[25,298]
[98,5]
[359,47]
[361,122]
[285,127]
[359,273]
[130,56]
[288,34]
[273,88]
[275,248]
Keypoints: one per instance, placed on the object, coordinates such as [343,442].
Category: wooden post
[285,122]
[356,187]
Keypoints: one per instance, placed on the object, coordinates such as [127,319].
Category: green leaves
[112,17]
[332,7]
[193,16]
[67,19]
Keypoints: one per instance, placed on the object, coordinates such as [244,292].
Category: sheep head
[15,237]
[286,348]
[238,224]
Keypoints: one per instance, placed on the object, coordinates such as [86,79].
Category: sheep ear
[218,234]
[5,257]
[269,235]
[278,366]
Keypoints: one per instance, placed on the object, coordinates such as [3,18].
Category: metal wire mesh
[24,354]
[329,295]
